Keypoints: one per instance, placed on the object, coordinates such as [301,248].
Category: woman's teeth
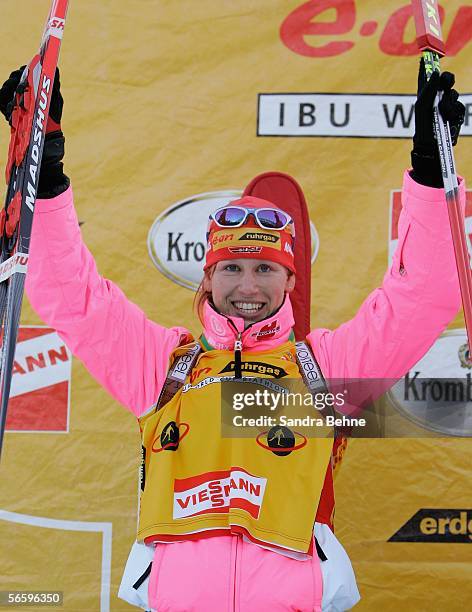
[249,307]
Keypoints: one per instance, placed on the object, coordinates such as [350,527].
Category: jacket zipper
[238,348]
[235,570]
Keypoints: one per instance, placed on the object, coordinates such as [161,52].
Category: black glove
[425,155]
[8,91]
[52,180]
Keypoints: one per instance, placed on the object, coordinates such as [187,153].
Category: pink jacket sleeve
[419,296]
[126,352]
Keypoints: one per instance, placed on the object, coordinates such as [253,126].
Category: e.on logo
[39,396]
[335,36]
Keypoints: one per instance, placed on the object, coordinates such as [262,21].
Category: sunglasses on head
[266,218]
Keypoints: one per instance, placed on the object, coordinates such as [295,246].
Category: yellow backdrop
[161,103]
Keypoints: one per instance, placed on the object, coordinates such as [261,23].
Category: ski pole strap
[178,373]
[309,368]
[312,375]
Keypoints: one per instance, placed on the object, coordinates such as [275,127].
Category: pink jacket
[128,354]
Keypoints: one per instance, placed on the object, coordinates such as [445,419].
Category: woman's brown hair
[202,296]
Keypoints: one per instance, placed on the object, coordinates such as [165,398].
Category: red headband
[250,240]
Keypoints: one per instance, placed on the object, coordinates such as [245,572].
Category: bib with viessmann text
[197,483]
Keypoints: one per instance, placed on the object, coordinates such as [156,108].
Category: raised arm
[126,352]
[419,296]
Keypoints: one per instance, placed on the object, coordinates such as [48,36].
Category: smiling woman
[249,266]
[248,288]
[252,267]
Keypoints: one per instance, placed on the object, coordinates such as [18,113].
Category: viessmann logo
[437,525]
[177,238]
[40,392]
[218,492]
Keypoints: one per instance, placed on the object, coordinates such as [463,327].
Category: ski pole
[430,42]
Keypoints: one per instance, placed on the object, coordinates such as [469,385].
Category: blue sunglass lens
[271,218]
[229,217]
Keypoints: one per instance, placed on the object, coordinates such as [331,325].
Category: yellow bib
[198,483]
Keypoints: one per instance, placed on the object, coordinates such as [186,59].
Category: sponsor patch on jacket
[289,357]
[267,383]
[256,366]
[267,331]
[218,492]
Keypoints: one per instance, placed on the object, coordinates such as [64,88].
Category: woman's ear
[206,282]
[290,284]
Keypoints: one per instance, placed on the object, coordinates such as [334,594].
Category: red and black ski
[28,129]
